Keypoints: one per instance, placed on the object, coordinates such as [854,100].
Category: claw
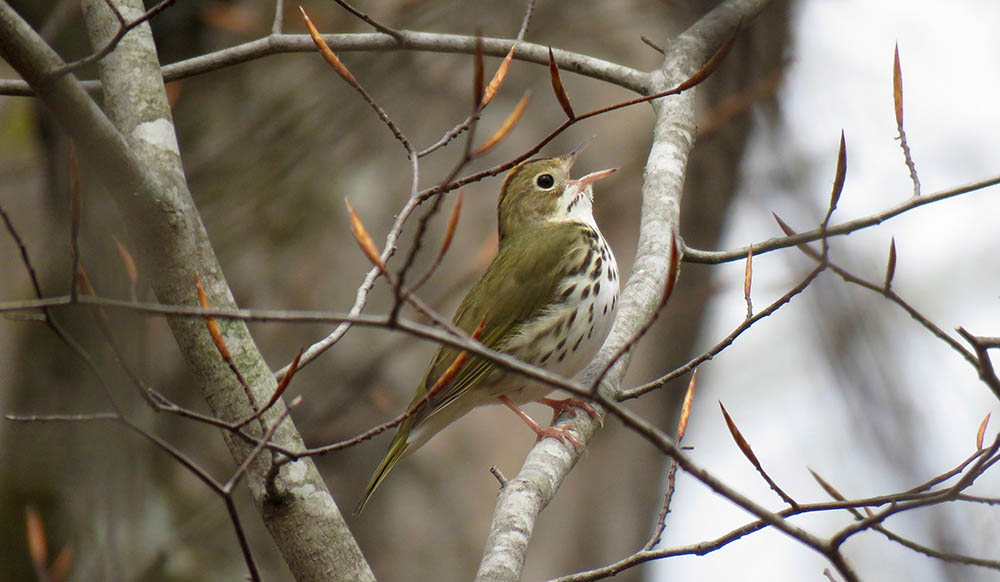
[561,432]
[568,405]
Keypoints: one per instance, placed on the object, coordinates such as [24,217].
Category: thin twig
[692,255]
[498,475]
[888,294]
[47,317]
[339,67]
[985,366]
[614,73]
[729,339]
[279,17]
[652,44]
[528,13]
[209,481]
[668,494]
[371,21]
[123,29]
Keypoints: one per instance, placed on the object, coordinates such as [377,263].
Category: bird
[548,298]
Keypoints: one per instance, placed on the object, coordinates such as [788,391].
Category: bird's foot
[561,432]
[568,405]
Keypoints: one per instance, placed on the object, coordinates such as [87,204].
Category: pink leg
[568,404]
[556,432]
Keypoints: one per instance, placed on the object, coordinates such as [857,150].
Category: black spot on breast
[591,332]
[572,317]
[582,267]
[590,318]
[546,357]
[586,293]
[614,300]
[576,346]
[605,309]
[597,288]
[560,345]
[569,291]
[562,356]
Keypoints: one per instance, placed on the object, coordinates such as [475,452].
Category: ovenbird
[548,298]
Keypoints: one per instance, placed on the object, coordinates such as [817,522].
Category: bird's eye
[545,181]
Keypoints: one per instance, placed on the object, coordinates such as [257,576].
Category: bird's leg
[567,405]
[557,432]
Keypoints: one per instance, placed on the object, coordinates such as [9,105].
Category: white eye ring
[545,181]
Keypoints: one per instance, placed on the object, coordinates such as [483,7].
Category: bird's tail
[397,450]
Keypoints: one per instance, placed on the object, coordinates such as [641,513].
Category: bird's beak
[571,157]
[593,177]
[583,145]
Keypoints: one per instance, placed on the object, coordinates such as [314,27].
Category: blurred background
[839,381]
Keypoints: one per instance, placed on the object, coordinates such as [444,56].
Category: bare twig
[668,495]
[338,66]
[123,29]
[714,257]
[209,481]
[888,293]
[985,365]
[498,475]
[528,13]
[729,339]
[370,21]
[47,318]
[279,17]
[652,44]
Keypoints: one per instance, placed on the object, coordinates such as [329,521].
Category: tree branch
[276,44]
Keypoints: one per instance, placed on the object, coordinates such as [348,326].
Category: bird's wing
[503,299]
